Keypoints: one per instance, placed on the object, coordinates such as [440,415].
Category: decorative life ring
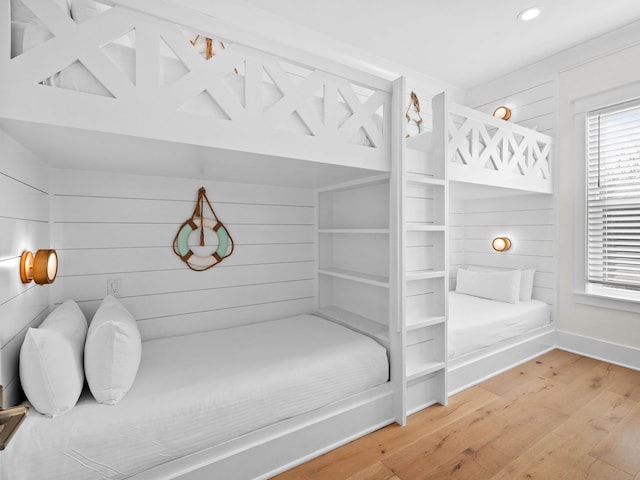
[199,222]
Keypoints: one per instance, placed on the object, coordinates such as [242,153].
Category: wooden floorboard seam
[561,416]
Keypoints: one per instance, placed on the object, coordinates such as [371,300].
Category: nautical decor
[200,262]
[415,103]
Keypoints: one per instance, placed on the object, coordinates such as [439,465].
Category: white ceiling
[464,42]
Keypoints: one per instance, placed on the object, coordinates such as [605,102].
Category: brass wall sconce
[501,244]
[42,267]
[502,112]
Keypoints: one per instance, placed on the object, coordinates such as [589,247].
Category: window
[613,198]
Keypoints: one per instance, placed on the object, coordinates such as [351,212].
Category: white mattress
[476,323]
[196,391]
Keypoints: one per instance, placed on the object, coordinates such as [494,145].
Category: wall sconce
[42,267]
[502,112]
[501,244]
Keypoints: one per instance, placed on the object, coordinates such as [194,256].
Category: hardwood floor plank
[460,467]
[627,382]
[621,448]
[558,417]
[538,462]
[568,444]
[377,471]
[568,371]
[584,388]
[591,469]
[355,456]
[516,434]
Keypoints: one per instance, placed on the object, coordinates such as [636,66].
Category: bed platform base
[475,367]
[274,449]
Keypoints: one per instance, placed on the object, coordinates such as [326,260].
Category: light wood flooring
[561,416]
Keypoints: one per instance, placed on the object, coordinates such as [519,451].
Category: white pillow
[83,10]
[112,352]
[526,280]
[51,370]
[27,30]
[501,286]
[21,13]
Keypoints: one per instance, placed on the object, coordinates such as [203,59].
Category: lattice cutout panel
[249,87]
[482,142]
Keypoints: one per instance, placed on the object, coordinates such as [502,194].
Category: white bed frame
[482,150]
[143,109]
[475,367]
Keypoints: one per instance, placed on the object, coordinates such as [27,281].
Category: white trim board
[599,349]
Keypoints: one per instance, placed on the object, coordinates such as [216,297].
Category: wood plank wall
[116,226]
[24,225]
[532,101]
[528,220]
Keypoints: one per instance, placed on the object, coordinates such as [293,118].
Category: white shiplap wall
[115,226]
[532,102]
[528,220]
[24,225]
[531,220]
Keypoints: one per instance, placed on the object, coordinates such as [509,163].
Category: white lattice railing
[162,87]
[483,149]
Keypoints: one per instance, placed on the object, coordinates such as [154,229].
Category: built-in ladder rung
[420,179]
[424,274]
[424,227]
[425,322]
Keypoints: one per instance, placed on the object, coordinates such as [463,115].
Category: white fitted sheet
[476,323]
[196,391]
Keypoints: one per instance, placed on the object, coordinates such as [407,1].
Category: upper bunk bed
[181,93]
[486,151]
[162,75]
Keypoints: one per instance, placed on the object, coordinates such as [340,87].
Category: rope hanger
[198,221]
[415,103]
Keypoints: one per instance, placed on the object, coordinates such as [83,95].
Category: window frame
[585,292]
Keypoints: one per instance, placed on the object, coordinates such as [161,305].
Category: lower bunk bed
[239,403]
[487,337]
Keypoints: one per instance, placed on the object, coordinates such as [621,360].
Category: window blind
[613,196]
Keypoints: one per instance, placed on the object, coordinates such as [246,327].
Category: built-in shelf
[424,275]
[425,322]
[417,370]
[357,322]
[382,231]
[369,279]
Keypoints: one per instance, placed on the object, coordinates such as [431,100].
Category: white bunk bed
[501,158]
[285,115]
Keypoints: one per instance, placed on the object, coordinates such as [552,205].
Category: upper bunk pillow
[83,10]
[51,371]
[112,352]
[526,280]
[27,30]
[501,286]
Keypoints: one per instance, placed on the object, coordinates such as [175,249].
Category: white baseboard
[600,350]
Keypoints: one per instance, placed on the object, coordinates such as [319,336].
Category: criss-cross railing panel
[479,143]
[252,90]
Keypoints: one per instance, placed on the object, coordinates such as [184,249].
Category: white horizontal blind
[613,196]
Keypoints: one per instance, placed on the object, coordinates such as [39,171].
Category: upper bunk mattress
[197,391]
[476,323]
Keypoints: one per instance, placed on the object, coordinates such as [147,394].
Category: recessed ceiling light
[529,14]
